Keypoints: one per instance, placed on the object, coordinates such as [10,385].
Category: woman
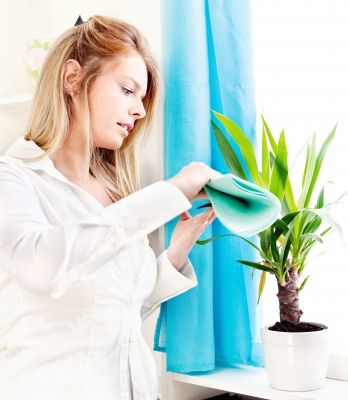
[77,273]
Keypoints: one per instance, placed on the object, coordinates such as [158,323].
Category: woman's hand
[185,235]
[192,178]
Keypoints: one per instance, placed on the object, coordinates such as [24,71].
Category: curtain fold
[208,66]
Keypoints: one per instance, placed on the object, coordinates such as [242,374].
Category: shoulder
[12,169]
[10,164]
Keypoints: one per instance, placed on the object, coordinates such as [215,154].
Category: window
[301,80]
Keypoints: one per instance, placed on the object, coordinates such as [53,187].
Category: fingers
[202,195]
[212,216]
[213,173]
[208,212]
[185,215]
[200,221]
[207,217]
[189,229]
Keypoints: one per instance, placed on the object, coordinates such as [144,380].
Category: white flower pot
[296,361]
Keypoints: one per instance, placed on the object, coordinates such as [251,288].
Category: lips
[125,126]
[124,130]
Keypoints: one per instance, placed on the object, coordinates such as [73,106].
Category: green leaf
[318,163]
[282,225]
[261,252]
[280,169]
[324,214]
[305,170]
[228,153]
[312,236]
[327,230]
[265,242]
[274,250]
[308,240]
[244,144]
[289,196]
[287,219]
[251,243]
[303,283]
[320,200]
[269,135]
[259,266]
[265,160]
[202,242]
[286,246]
[308,171]
[262,283]
[311,223]
[281,228]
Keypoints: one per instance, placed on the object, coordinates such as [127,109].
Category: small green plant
[35,56]
[284,246]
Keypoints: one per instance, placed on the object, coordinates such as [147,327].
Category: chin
[111,145]
[113,148]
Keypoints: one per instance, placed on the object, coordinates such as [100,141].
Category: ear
[71,71]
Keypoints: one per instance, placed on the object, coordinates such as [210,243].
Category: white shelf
[17,99]
[252,381]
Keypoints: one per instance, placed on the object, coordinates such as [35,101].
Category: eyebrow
[137,84]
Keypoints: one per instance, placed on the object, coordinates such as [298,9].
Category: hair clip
[79,21]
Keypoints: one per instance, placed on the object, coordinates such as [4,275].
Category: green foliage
[287,243]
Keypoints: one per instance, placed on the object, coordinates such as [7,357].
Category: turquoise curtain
[207,65]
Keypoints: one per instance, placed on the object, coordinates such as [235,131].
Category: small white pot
[296,361]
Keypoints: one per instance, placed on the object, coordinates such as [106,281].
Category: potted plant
[295,352]
[36,51]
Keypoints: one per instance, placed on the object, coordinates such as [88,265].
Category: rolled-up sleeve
[170,283]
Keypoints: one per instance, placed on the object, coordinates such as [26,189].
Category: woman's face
[115,100]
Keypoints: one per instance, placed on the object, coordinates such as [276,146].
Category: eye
[127,91]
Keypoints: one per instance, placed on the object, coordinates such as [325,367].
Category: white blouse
[76,278]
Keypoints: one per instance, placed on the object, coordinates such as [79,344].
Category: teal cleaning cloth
[241,206]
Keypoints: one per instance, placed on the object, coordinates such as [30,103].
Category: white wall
[22,21]
[25,20]
[301,65]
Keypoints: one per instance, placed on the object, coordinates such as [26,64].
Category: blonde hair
[92,44]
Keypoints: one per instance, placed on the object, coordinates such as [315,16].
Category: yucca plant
[284,246]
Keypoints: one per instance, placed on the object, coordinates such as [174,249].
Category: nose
[137,110]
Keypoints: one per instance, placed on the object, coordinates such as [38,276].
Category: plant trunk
[288,296]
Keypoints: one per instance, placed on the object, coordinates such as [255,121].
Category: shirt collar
[25,152]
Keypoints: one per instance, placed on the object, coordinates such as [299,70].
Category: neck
[70,159]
